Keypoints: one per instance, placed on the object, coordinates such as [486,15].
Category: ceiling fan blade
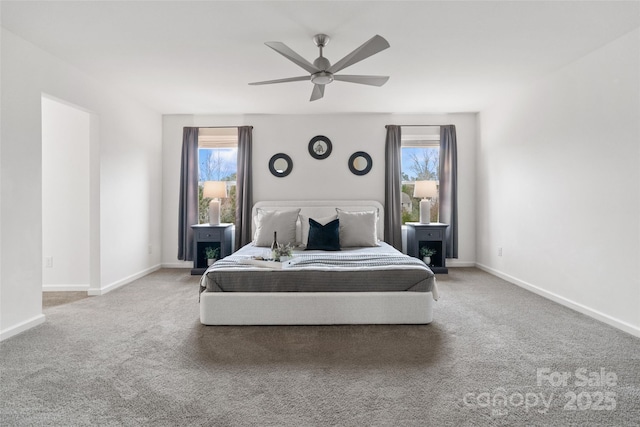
[288,53]
[371,47]
[363,80]
[289,79]
[317,93]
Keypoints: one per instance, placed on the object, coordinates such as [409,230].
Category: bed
[365,282]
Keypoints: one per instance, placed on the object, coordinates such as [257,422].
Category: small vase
[427,260]
[211,261]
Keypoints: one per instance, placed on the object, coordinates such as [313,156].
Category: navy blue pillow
[324,237]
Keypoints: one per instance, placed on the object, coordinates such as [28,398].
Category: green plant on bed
[281,251]
[211,252]
[426,251]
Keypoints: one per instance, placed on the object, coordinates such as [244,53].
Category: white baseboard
[115,285]
[65,288]
[612,321]
[21,327]
[186,264]
[452,262]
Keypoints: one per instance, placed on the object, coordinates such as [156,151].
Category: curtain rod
[405,126]
[216,127]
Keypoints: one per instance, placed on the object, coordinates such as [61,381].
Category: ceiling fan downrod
[322,77]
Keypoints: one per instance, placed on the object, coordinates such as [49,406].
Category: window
[218,161]
[420,161]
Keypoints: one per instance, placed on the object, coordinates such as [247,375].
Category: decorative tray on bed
[267,263]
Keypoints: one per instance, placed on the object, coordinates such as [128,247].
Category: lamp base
[425,211]
[214,212]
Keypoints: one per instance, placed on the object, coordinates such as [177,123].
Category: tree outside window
[420,161]
[218,164]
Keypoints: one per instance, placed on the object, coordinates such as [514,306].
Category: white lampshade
[214,189]
[425,189]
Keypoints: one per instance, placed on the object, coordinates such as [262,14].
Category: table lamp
[214,190]
[427,190]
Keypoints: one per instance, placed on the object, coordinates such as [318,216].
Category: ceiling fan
[322,72]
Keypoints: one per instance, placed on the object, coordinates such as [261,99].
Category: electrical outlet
[48,262]
[150,249]
[499,251]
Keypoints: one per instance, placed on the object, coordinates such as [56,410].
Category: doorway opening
[66,137]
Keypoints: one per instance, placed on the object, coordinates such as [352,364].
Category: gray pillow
[358,228]
[282,222]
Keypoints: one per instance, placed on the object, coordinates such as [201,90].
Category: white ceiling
[197,57]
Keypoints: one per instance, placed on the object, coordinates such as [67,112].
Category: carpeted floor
[52,299]
[494,355]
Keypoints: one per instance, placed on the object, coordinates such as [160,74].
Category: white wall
[317,179]
[125,180]
[65,196]
[130,193]
[559,185]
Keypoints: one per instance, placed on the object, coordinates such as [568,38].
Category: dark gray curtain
[188,203]
[244,188]
[393,188]
[449,187]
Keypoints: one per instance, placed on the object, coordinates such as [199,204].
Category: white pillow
[358,228]
[304,219]
[282,222]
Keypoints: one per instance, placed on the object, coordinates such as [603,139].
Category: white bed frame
[317,308]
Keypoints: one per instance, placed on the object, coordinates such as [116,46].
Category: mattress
[371,269]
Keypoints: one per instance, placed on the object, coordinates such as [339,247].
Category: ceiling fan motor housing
[322,63]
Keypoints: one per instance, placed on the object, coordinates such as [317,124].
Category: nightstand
[432,236]
[206,235]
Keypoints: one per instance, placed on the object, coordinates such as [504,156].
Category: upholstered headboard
[323,208]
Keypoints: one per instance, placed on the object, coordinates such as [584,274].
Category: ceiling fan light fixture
[321,78]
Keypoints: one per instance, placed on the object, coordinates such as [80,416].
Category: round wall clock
[320,147]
